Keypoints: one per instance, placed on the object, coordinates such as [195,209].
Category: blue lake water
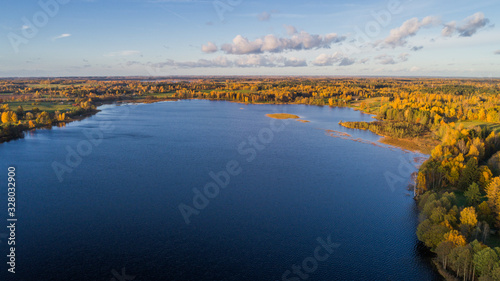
[115,209]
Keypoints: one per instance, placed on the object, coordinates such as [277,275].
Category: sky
[55,38]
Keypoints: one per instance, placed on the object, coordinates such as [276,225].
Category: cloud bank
[273,44]
[252,60]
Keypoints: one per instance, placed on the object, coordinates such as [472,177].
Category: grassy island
[282,116]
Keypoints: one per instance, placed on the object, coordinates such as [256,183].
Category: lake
[208,190]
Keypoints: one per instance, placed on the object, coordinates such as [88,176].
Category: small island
[282,116]
[286,116]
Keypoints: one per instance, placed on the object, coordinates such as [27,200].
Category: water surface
[118,209]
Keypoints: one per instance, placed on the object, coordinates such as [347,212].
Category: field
[42,106]
[371,104]
[493,126]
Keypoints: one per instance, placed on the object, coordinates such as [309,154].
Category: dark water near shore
[117,211]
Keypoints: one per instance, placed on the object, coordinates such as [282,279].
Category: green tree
[460,260]
[472,194]
[443,250]
[437,215]
[431,234]
[494,163]
[485,260]
[20,110]
[469,174]
[484,213]
[495,274]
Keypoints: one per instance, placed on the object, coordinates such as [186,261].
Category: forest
[457,188]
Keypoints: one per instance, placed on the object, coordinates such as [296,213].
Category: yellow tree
[492,192]
[13,117]
[456,238]
[61,117]
[43,118]
[485,176]
[9,116]
[4,117]
[468,216]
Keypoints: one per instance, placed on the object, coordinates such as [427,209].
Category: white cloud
[294,62]
[403,57]
[123,53]
[346,62]
[398,36]
[468,27]
[252,60]
[217,62]
[264,16]
[134,62]
[472,24]
[209,48]
[241,45]
[385,59]
[449,29]
[64,35]
[271,43]
[328,59]
[290,30]
[497,52]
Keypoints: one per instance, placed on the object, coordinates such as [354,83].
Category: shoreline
[443,272]
[75,118]
[23,130]
[422,145]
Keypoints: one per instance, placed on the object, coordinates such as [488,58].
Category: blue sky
[242,37]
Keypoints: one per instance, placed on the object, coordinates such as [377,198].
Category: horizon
[133,77]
